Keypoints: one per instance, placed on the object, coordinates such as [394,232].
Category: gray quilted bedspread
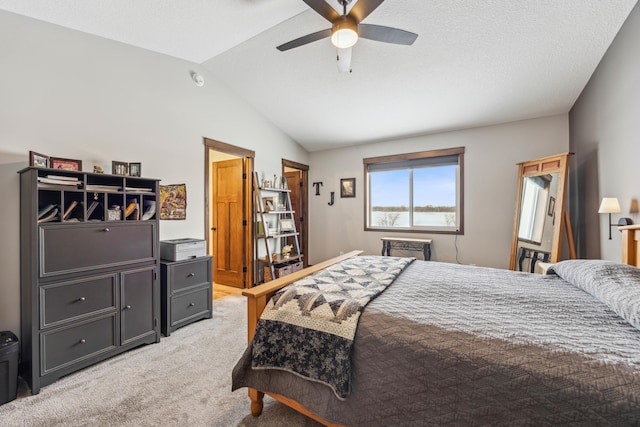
[463,346]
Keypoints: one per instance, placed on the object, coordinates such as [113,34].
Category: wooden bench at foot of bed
[257,298]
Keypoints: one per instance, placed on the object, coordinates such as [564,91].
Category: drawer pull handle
[192,304]
[82,341]
[191,274]
[82,299]
[106,229]
[127,307]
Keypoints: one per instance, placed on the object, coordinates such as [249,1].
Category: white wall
[490,175]
[68,94]
[605,135]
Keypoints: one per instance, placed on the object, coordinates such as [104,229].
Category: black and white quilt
[308,327]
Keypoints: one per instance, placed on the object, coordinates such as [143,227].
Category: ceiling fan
[347,28]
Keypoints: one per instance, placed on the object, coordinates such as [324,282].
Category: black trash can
[9,351]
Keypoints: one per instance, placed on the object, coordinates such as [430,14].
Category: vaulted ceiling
[474,62]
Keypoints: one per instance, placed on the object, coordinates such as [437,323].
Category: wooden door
[227,223]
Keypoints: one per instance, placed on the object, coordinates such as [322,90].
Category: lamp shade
[609,205]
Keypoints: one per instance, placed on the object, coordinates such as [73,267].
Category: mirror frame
[558,163]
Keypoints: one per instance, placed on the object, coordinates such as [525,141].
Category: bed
[447,344]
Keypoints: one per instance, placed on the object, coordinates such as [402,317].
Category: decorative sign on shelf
[173,201]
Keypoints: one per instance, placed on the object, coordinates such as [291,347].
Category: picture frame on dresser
[135,169]
[119,168]
[38,160]
[65,164]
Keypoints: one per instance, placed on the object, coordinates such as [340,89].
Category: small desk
[408,244]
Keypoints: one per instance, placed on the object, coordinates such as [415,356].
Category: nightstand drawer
[190,304]
[190,273]
[73,299]
[66,346]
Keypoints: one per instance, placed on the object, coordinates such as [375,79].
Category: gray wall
[605,137]
[490,177]
[73,95]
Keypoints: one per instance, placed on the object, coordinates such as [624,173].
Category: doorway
[297,176]
[228,212]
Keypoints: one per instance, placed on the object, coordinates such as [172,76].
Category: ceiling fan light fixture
[344,33]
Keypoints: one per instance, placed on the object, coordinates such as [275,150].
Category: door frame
[304,206]
[247,203]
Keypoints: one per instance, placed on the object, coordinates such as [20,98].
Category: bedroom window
[415,192]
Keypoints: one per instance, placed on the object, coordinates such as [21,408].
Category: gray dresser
[89,273]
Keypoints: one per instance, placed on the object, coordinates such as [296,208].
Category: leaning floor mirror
[541,217]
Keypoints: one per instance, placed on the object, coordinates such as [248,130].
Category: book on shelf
[46,210]
[50,216]
[138,189]
[63,178]
[149,210]
[58,181]
[92,207]
[132,211]
[70,209]
[101,187]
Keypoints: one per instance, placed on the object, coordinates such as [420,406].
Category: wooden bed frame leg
[256,401]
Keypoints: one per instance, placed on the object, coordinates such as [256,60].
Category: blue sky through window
[434,186]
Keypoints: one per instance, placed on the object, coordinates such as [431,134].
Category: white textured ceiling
[474,62]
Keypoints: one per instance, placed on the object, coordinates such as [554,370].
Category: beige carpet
[185,380]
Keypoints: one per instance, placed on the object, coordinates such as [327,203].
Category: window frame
[407,157]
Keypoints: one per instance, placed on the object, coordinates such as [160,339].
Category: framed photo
[38,160]
[348,187]
[552,206]
[65,164]
[135,169]
[119,168]
[173,201]
[286,224]
[268,204]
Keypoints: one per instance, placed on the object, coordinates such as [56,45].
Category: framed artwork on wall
[173,201]
[348,187]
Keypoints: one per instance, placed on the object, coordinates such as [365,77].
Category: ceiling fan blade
[301,41]
[386,34]
[323,8]
[363,8]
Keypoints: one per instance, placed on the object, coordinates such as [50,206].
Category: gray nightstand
[185,292]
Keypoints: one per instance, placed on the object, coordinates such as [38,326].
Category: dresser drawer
[77,298]
[81,247]
[65,346]
[190,304]
[190,273]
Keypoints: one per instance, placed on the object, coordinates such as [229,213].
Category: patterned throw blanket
[308,327]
